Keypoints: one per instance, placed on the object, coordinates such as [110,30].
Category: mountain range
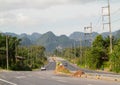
[51,42]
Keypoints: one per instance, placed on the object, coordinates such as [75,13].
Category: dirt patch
[62,69]
[78,73]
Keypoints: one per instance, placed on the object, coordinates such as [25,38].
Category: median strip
[7,82]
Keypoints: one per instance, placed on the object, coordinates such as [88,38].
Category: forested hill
[50,41]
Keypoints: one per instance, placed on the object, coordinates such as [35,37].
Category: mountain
[105,34]
[117,34]
[77,36]
[51,42]
[26,41]
[48,40]
[11,34]
[81,36]
[33,37]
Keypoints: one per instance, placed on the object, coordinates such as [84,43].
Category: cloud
[82,1]
[58,13]
[36,4]
[28,4]
[45,15]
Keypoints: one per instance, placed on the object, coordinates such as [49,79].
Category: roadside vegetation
[96,57]
[20,57]
[61,68]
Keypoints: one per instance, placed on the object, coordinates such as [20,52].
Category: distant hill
[33,37]
[80,36]
[11,34]
[51,42]
[48,40]
[77,36]
[117,34]
[26,41]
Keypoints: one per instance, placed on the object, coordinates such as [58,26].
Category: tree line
[96,57]
[20,57]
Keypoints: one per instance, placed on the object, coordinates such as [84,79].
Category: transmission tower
[108,16]
[88,34]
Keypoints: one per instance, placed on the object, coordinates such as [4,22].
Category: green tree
[97,54]
[115,58]
[94,58]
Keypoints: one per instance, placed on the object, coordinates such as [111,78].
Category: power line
[116,11]
[116,20]
[98,21]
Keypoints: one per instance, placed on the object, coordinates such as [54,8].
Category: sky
[58,16]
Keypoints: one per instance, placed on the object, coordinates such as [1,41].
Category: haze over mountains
[51,42]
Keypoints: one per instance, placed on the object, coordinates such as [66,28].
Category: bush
[18,67]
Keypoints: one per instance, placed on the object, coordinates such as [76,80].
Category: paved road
[46,78]
[51,66]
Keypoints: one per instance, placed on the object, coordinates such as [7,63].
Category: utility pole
[16,50]
[108,15]
[7,52]
[81,47]
[74,48]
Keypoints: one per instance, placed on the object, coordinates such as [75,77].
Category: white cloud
[45,15]
[36,4]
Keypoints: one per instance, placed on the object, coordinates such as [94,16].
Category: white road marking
[7,82]
[18,72]
[55,77]
[61,81]
[89,84]
[61,84]
[19,77]
[41,77]
[29,75]
[3,76]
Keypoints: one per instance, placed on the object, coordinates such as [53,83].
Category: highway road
[47,77]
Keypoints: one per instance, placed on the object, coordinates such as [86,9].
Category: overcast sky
[58,16]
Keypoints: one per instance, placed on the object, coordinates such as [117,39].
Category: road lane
[51,66]
[7,82]
[49,78]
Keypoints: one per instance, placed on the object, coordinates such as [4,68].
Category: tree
[97,54]
[115,58]
[11,50]
[94,58]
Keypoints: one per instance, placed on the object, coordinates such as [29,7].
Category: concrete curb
[91,76]
[101,77]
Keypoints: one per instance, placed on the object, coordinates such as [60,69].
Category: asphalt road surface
[73,67]
[47,77]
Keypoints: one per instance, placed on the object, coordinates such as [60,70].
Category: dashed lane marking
[90,84]
[19,77]
[7,82]
[42,77]
[2,76]
[29,75]
[62,81]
